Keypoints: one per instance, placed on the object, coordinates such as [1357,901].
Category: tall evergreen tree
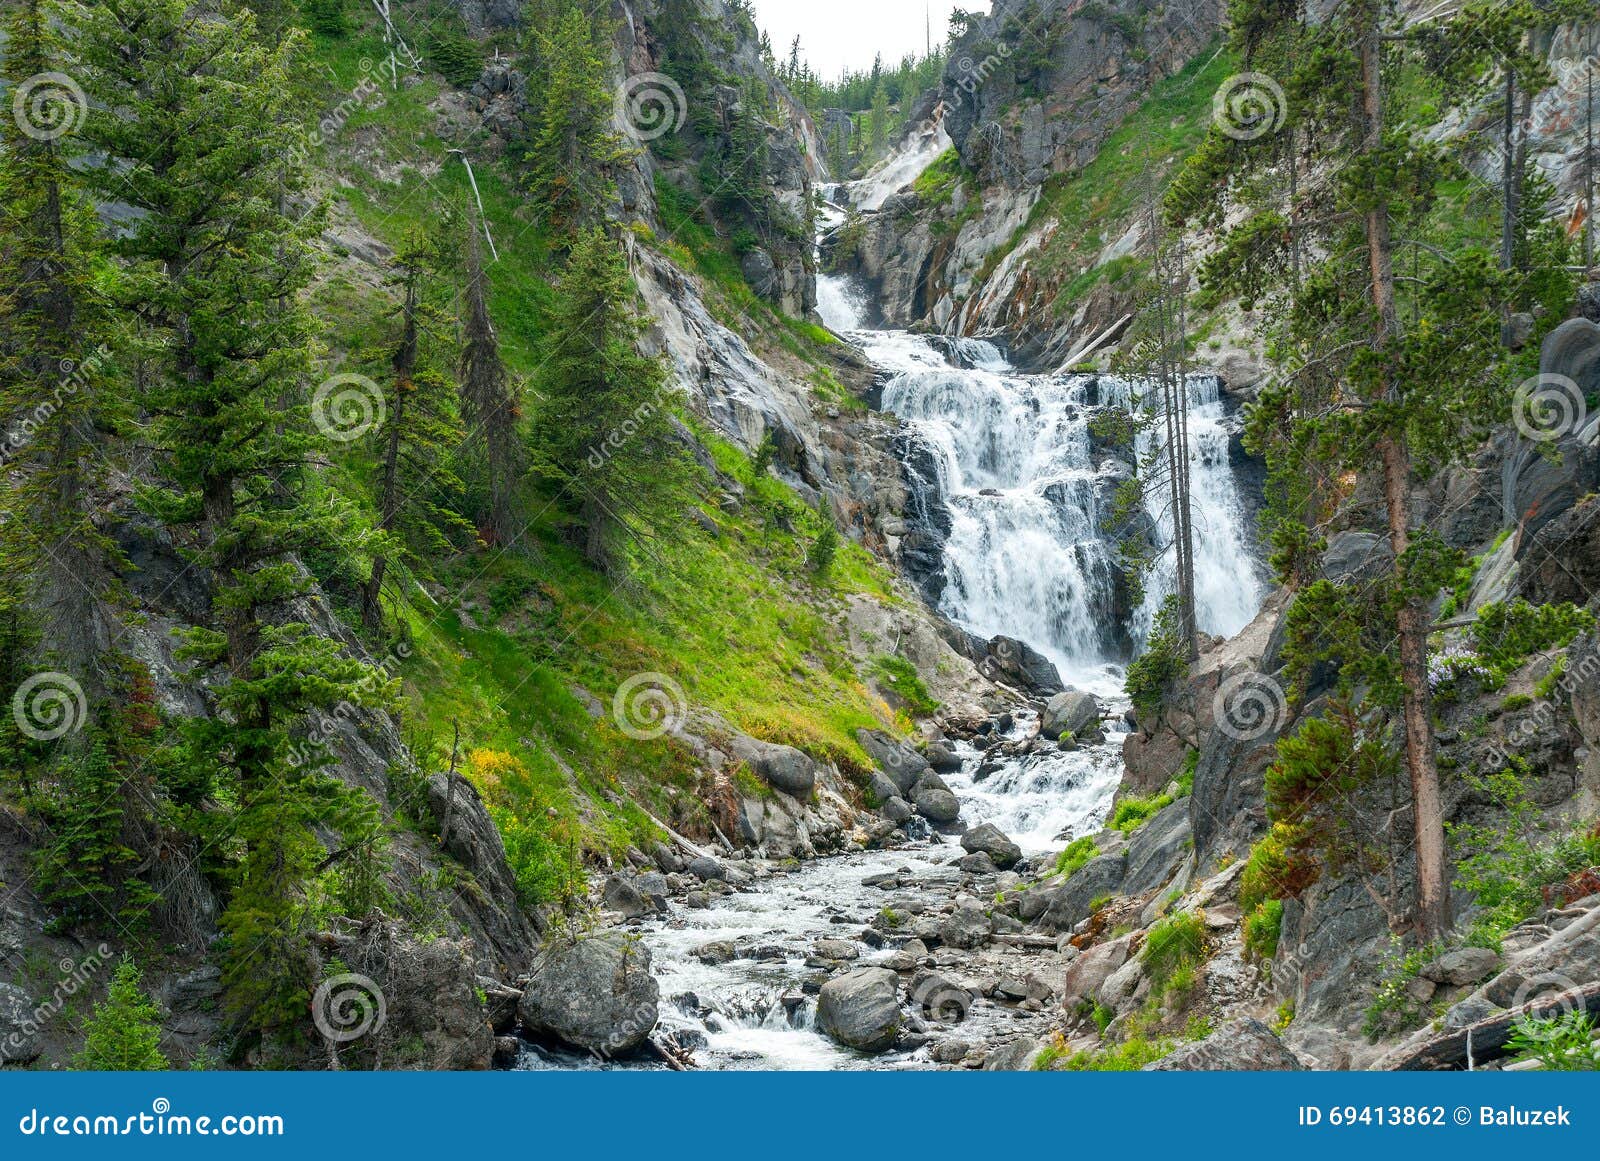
[489,397]
[197,122]
[417,493]
[55,352]
[573,150]
[605,433]
[1375,371]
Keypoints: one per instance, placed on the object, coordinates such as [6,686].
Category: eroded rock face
[596,994]
[861,1009]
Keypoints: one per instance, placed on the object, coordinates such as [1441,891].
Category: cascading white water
[1026,555]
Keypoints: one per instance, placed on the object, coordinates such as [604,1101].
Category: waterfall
[1028,492]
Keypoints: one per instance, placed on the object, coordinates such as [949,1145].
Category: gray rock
[942,758]
[898,811]
[1070,712]
[883,788]
[1014,1057]
[780,767]
[1016,661]
[705,869]
[1087,974]
[1466,965]
[597,994]
[1157,848]
[992,841]
[718,951]
[1243,1046]
[838,949]
[1069,903]
[861,1009]
[21,1038]
[1353,557]
[935,805]
[977,864]
[903,765]
[966,928]
[624,897]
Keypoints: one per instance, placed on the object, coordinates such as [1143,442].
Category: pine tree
[197,121]
[56,356]
[489,398]
[124,1033]
[417,493]
[1377,374]
[574,151]
[605,433]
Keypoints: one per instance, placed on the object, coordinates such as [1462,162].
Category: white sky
[839,34]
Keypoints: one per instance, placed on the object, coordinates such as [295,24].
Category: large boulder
[1539,487]
[597,994]
[992,841]
[861,1009]
[1070,712]
[1019,663]
[780,767]
[21,1038]
[966,928]
[1243,1046]
[1087,974]
[899,762]
[935,802]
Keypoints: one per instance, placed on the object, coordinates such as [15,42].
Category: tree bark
[1433,896]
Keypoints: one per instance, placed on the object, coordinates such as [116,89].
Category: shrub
[1132,813]
[1070,861]
[1262,929]
[454,56]
[327,17]
[1150,678]
[1176,944]
[1393,1008]
[1508,634]
[124,1032]
[1130,1056]
[819,558]
[908,685]
[1562,1043]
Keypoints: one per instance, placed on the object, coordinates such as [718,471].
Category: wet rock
[942,758]
[706,869]
[977,864]
[596,994]
[1020,663]
[718,951]
[934,801]
[966,927]
[990,840]
[507,1049]
[1243,1046]
[836,949]
[898,811]
[861,1009]
[950,1051]
[1070,712]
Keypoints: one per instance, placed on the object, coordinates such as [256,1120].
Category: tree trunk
[405,365]
[1433,896]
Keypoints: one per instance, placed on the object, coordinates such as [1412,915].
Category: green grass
[907,684]
[1132,813]
[1173,947]
[1070,861]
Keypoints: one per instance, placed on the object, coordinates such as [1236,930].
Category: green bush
[327,17]
[124,1032]
[1132,813]
[1173,946]
[1262,929]
[1562,1043]
[1505,635]
[908,685]
[1070,861]
[1151,677]
[452,54]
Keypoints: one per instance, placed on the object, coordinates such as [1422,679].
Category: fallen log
[1486,1040]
